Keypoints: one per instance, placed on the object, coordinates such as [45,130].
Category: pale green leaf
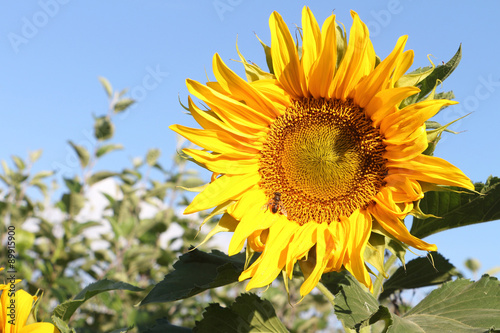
[123,104]
[106,85]
[83,154]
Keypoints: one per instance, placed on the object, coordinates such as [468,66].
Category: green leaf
[101,175]
[35,155]
[123,104]
[41,175]
[107,149]
[196,271]
[458,209]
[419,272]
[353,303]
[152,156]
[62,325]
[83,154]
[66,309]
[248,313]
[19,162]
[71,203]
[73,185]
[80,227]
[458,306]
[106,85]
[103,128]
[440,73]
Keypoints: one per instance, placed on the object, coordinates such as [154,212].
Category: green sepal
[252,71]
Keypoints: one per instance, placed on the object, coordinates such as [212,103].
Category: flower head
[15,309]
[310,159]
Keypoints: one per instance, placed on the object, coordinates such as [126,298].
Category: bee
[276,204]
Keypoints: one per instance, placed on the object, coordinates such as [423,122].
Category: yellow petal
[240,89]
[217,141]
[223,164]
[311,42]
[359,60]
[409,149]
[323,72]
[361,226]
[430,169]
[275,254]
[286,62]
[403,65]
[209,120]
[229,110]
[379,78]
[224,188]
[398,126]
[39,328]
[393,225]
[385,102]
[322,248]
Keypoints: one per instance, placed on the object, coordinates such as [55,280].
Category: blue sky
[52,51]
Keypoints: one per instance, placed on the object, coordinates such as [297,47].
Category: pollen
[324,156]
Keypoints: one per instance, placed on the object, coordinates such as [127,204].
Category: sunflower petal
[224,188]
[378,79]
[286,63]
[431,169]
[393,225]
[359,60]
[361,222]
[323,71]
[240,89]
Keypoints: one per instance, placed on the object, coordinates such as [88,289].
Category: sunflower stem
[327,293]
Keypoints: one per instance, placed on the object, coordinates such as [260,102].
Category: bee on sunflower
[327,132]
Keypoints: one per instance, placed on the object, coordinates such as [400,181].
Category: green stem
[377,286]
[327,293]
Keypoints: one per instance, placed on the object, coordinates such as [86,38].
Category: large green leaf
[457,209]
[196,271]
[458,306]
[420,272]
[353,303]
[248,313]
[66,309]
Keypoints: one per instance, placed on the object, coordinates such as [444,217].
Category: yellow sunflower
[309,159]
[15,310]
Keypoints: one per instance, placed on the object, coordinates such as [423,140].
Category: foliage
[123,271]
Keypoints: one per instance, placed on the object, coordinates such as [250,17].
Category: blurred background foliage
[123,225]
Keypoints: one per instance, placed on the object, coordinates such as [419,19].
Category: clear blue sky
[52,51]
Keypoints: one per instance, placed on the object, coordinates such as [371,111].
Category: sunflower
[310,159]
[15,321]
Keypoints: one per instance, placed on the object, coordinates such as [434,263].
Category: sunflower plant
[316,162]
[319,164]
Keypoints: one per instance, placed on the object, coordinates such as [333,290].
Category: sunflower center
[324,157]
